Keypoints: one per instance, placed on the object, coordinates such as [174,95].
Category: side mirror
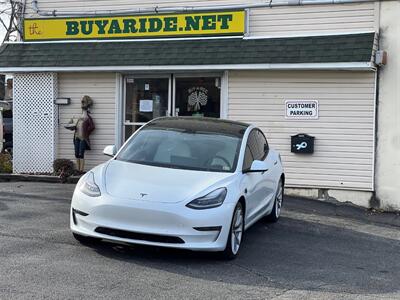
[110,150]
[258,166]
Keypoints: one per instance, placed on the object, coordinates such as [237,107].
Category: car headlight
[213,199]
[89,186]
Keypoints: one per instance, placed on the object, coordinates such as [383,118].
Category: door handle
[275,163]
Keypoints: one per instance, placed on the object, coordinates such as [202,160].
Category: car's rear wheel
[235,233]
[86,240]
[276,210]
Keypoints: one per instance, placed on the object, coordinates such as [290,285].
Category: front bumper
[149,223]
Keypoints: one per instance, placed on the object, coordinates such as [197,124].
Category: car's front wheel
[235,233]
[276,210]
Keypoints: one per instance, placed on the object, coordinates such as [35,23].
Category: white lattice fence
[35,122]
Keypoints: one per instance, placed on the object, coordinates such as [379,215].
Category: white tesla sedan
[193,183]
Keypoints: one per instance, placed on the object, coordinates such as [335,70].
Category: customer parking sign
[302,109]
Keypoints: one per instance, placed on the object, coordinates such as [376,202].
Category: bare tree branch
[4,24]
[14,12]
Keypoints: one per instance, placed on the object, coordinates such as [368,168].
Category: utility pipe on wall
[157,9]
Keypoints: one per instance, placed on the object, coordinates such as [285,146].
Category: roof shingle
[315,49]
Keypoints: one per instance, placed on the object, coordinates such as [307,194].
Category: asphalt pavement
[316,251]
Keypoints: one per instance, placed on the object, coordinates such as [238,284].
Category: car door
[267,178]
[257,185]
[270,176]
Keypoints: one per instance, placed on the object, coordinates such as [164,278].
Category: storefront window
[146,99]
[130,129]
[150,98]
[198,96]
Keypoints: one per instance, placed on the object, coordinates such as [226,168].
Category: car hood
[157,184]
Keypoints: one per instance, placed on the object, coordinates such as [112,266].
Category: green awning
[349,48]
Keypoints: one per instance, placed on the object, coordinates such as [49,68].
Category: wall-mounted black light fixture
[62,101]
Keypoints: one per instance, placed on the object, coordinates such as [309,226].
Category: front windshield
[172,148]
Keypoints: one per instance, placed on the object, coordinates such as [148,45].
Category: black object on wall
[302,143]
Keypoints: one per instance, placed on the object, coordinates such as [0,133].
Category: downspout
[157,9]
[375,201]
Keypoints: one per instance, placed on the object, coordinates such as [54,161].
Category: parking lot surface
[316,251]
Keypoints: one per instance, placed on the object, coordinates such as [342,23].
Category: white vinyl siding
[118,5]
[275,21]
[312,19]
[101,88]
[344,132]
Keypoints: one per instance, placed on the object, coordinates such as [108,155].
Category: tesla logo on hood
[143,194]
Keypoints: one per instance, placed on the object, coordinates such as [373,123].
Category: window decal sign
[140,26]
[301,109]
[198,96]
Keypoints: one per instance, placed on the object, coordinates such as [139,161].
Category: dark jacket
[87,128]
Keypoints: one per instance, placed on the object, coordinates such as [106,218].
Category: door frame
[142,76]
[120,107]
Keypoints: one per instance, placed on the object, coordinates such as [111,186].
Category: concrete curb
[37,178]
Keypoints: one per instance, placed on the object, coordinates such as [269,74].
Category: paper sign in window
[146,106]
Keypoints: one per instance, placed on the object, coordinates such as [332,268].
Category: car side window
[263,143]
[252,150]
[248,158]
[256,148]
[256,143]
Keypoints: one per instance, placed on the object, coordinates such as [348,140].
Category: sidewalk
[37,178]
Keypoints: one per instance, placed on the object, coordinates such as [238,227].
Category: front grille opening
[209,228]
[77,212]
[74,218]
[140,236]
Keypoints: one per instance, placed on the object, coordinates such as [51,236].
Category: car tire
[236,233]
[273,217]
[85,240]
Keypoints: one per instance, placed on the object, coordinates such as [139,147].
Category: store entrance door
[146,98]
[197,96]
[150,97]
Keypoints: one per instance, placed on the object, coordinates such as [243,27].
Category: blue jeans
[80,147]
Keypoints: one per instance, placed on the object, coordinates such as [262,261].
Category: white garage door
[344,132]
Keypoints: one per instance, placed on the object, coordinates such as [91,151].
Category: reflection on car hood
[156,184]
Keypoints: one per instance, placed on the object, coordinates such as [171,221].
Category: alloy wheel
[237,230]
[279,200]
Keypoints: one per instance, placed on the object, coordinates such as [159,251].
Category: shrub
[63,167]
[5,163]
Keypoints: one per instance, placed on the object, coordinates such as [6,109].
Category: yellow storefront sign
[142,26]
